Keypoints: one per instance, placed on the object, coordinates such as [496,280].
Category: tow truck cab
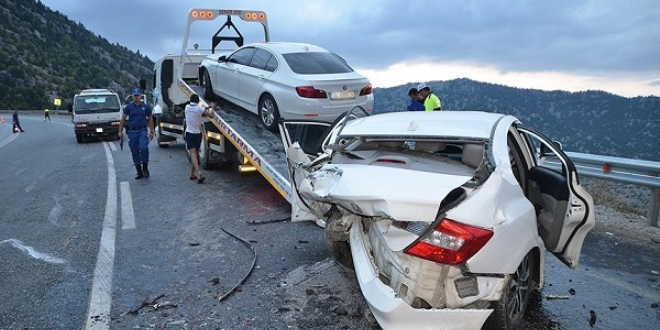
[96,112]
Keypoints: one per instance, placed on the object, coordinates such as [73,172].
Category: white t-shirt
[194,113]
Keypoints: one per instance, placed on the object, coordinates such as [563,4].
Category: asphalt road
[166,257]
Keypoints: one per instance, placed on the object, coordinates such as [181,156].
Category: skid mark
[34,253]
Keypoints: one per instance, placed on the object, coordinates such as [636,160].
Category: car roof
[290,47]
[470,124]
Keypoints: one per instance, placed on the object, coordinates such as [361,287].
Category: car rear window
[316,63]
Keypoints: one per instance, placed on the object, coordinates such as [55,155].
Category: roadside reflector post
[654,208]
[606,168]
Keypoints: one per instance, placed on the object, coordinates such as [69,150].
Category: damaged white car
[445,216]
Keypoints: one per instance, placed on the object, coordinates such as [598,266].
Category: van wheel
[79,138]
[509,310]
[268,112]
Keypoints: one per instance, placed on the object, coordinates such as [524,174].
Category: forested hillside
[44,55]
[592,121]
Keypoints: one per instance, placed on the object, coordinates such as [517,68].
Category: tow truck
[234,135]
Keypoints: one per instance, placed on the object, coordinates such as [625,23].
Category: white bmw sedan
[286,80]
[445,216]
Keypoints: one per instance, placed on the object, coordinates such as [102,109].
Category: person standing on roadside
[415,104]
[194,114]
[16,122]
[138,119]
[430,100]
[46,114]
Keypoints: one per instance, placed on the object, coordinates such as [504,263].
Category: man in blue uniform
[140,127]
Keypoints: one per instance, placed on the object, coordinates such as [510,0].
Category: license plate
[342,95]
[99,130]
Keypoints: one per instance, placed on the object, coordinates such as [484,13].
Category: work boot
[139,174]
[145,170]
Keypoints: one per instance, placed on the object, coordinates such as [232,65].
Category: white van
[96,112]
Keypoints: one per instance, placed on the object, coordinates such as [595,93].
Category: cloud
[583,37]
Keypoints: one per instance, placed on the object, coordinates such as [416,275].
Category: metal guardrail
[633,171]
[625,170]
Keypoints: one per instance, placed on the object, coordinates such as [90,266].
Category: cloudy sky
[611,45]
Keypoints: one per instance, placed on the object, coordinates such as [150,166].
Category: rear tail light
[311,93]
[450,243]
[366,90]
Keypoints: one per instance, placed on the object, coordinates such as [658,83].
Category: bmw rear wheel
[208,89]
[268,112]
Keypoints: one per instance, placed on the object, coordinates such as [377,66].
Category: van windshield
[96,104]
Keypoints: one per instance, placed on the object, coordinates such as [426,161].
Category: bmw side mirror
[222,58]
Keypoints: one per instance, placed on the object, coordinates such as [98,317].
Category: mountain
[44,55]
[591,122]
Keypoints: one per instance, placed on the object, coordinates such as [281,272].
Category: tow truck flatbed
[262,148]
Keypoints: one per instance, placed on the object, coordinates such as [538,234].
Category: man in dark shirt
[137,116]
[16,122]
[415,103]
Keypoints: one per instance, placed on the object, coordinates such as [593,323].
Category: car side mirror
[143,84]
[558,145]
[222,58]
[545,150]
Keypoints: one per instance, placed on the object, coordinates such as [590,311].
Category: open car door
[565,211]
[307,145]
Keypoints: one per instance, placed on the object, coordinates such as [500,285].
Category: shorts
[193,140]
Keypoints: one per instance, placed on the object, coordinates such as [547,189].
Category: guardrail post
[654,208]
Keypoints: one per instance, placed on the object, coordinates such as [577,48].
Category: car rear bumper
[310,109]
[392,312]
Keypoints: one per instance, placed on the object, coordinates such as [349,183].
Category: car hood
[368,190]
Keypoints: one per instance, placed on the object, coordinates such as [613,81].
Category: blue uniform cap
[136,91]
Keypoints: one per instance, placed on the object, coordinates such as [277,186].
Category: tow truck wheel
[268,112]
[202,153]
[159,136]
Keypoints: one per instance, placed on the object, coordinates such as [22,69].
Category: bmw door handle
[262,77]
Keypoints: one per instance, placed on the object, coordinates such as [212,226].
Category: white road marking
[34,253]
[112,146]
[127,215]
[54,214]
[100,297]
[6,142]
[30,187]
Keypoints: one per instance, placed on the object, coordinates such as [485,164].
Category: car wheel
[336,240]
[268,112]
[510,309]
[208,89]
[79,138]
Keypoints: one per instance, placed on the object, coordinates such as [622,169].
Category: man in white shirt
[194,113]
